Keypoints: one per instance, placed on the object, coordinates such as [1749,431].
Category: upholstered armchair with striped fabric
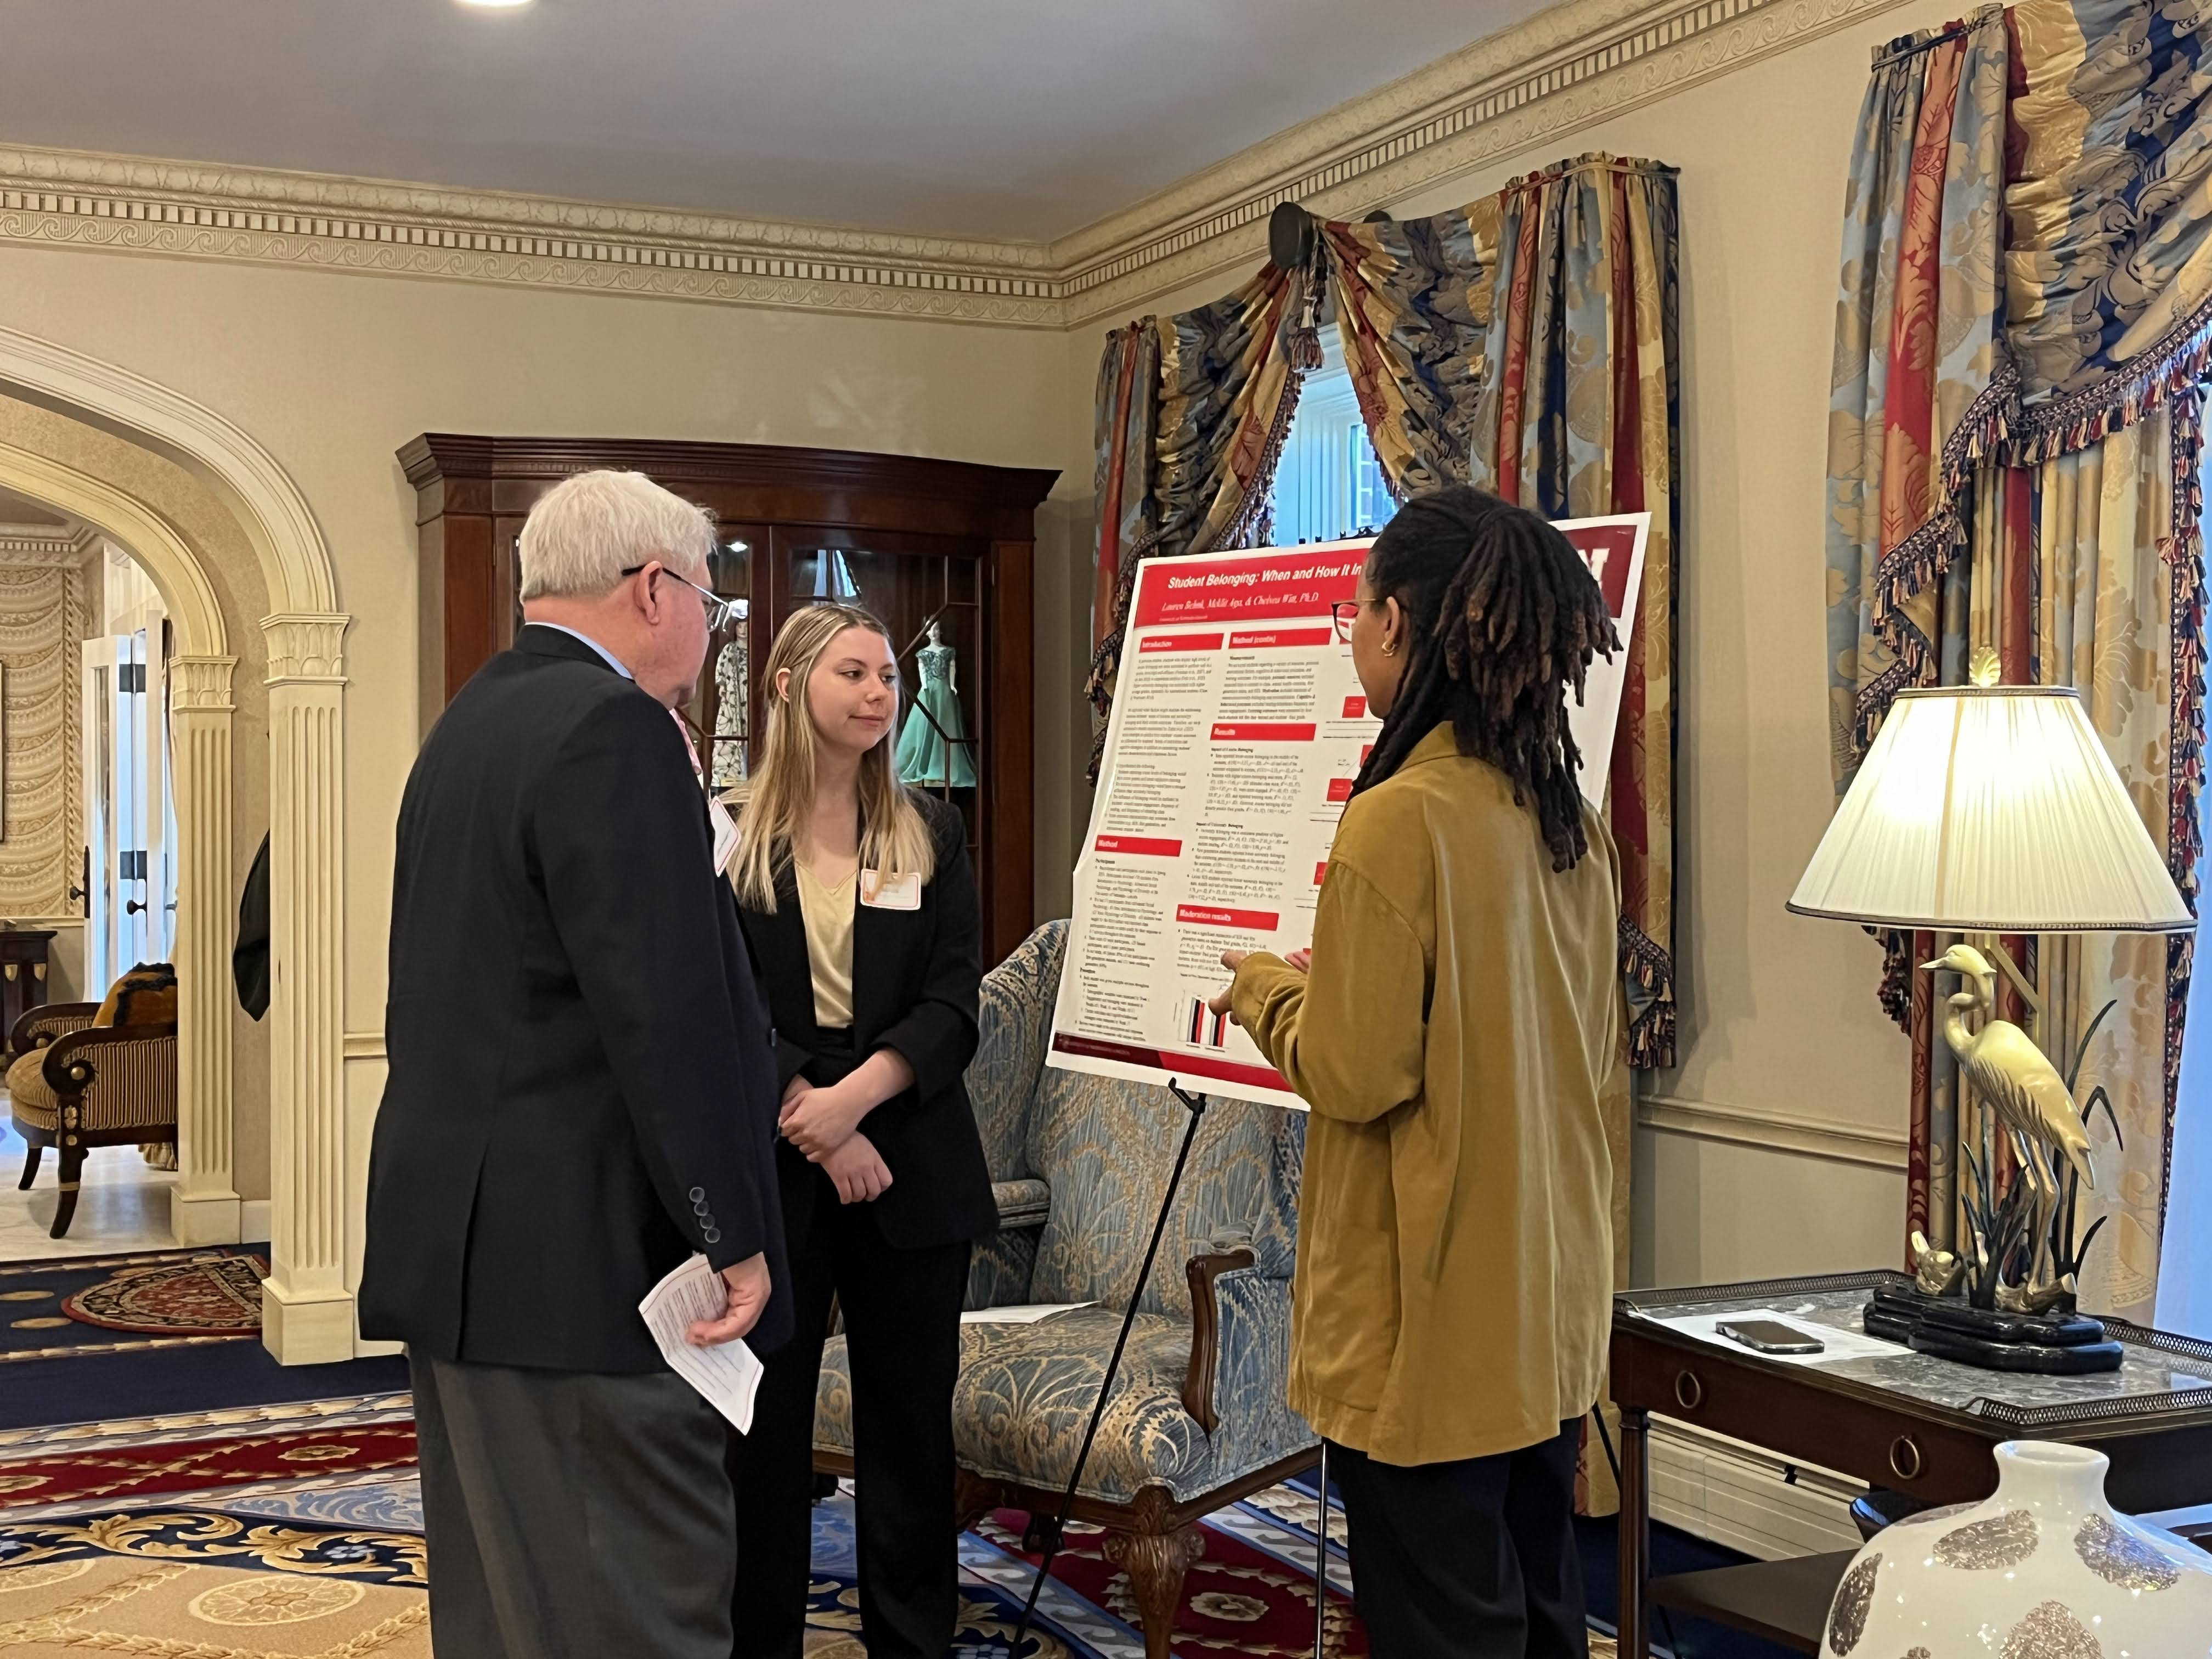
[1197,1419]
[86,1074]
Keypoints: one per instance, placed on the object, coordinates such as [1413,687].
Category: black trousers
[1474,1559]
[572,1515]
[902,1316]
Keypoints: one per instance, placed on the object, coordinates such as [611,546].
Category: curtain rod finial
[1291,234]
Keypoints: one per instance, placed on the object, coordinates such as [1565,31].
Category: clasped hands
[824,1124]
[1232,960]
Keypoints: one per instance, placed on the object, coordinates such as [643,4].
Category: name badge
[882,892]
[725,835]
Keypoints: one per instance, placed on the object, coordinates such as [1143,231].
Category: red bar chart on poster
[1238,726]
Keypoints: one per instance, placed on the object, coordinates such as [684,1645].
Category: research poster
[1237,728]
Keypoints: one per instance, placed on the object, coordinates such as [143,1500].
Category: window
[2184,1275]
[1328,484]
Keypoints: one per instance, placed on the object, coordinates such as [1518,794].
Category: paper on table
[725,1375]
[1840,1344]
[1025,1313]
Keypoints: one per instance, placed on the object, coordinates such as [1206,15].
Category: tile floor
[124,1206]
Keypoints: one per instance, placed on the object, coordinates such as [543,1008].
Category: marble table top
[2150,1379]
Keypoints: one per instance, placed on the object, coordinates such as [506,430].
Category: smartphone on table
[1770,1336]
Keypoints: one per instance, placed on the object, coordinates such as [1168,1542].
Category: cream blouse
[827,909]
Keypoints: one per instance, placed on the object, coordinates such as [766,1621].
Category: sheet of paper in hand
[1237,729]
[726,1376]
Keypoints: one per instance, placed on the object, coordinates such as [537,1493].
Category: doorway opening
[88,854]
[130,865]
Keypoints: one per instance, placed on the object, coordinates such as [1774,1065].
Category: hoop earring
[1391,649]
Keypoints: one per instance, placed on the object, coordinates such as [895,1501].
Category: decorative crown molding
[78,199]
[1564,70]
[60,550]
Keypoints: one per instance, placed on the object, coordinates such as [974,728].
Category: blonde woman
[859,900]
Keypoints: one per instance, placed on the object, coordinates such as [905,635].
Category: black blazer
[249,957]
[915,980]
[582,1083]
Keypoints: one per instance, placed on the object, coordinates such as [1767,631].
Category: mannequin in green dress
[932,757]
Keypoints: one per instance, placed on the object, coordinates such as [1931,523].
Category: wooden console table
[1909,1422]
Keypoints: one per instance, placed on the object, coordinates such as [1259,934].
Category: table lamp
[1980,811]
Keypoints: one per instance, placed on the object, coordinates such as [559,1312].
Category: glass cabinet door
[930,597]
[722,710]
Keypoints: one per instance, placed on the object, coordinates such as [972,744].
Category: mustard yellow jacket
[1460,1040]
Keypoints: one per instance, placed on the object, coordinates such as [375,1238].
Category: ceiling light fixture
[495,5]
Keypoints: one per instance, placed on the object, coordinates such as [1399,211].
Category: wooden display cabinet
[911,539]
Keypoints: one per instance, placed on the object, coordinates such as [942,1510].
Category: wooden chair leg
[973,1498]
[31,1158]
[1156,1564]
[72,1168]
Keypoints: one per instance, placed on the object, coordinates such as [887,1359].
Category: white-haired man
[581,1094]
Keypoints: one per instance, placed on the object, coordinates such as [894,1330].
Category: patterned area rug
[142,1302]
[211,1587]
[68,1475]
[304,1522]
[209,1296]
[1238,1598]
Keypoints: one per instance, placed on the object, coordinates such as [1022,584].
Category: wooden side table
[1907,1421]
[22,974]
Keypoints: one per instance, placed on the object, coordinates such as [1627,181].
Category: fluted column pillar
[307,1315]
[204,1202]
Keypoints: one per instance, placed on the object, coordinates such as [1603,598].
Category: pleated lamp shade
[1990,810]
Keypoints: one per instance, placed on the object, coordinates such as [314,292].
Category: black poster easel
[1052,1532]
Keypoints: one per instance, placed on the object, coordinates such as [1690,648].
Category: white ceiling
[961,117]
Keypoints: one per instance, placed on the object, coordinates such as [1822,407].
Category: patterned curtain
[1193,411]
[1918,399]
[1526,343]
[1580,416]
[1414,306]
[2013,447]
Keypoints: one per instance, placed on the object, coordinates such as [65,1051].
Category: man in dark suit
[582,1093]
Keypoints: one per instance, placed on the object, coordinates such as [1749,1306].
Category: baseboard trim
[254,1219]
[1774,1131]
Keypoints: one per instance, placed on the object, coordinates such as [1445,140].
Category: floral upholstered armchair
[1197,1418]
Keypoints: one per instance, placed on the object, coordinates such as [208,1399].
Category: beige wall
[333,373]
[1778,1014]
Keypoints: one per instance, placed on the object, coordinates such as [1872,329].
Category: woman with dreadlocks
[1455,1031]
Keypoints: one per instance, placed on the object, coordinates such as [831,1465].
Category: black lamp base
[2067,1345]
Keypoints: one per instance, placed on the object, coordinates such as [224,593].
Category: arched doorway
[307,1307]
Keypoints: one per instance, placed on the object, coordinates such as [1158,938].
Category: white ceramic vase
[2043,1570]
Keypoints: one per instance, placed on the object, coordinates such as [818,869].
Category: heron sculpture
[2030,1098]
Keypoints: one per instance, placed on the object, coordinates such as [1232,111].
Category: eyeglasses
[720,612]
[1343,613]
